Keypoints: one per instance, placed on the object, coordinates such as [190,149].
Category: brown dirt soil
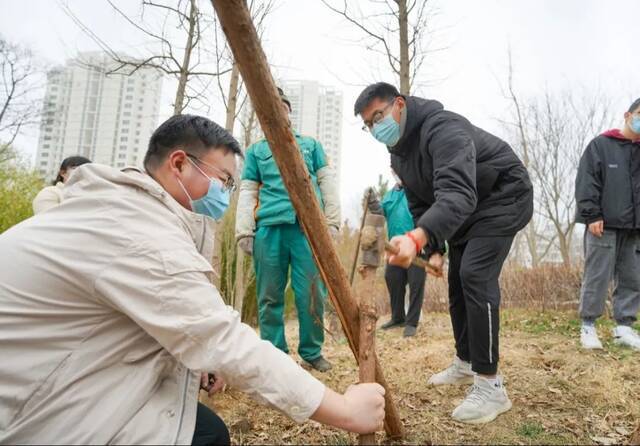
[560,394]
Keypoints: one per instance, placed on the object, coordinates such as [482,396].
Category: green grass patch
[530,430]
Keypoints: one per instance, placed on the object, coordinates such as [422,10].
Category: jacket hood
[617,134]
[97,179]
[418,110]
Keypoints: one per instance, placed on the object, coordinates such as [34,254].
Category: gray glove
[373,204]
[246,244]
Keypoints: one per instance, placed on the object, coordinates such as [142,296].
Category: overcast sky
[576,44]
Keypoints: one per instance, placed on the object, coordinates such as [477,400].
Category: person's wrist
[419,238]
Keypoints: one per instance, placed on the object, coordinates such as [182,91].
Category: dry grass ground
[560,395]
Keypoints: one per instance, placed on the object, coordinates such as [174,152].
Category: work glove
[373,204]
[246,244]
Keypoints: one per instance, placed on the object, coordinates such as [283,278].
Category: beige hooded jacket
[107,317]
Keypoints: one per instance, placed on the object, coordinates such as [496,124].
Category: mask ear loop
[186,193]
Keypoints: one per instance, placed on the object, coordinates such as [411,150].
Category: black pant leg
[457,307]
[479,273]
[416,277]
[396,279]
[210,429]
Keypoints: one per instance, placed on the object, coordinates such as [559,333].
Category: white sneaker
[484,402]
[589,338]
[458,373]
[626,336]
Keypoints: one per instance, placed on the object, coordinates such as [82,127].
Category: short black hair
[69,162]
[194,134]
[379,90]
[633,107]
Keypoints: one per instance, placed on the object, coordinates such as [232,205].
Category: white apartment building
[106,118]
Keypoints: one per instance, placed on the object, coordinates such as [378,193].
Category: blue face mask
[387,131]
[214,203]
[634,125]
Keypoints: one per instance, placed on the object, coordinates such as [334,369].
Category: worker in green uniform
[267,228]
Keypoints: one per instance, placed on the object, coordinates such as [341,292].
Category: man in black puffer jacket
[608,202]
[467,187]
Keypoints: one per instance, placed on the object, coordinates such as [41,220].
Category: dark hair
[195,134]
[634,106]
[69,162]
[379,90]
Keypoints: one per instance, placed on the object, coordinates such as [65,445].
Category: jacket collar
[617,134]
[92,178]
[418,111]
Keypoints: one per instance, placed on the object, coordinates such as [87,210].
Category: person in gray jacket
[608,203]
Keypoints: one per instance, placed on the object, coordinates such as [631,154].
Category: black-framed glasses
[228,183]
[377,117]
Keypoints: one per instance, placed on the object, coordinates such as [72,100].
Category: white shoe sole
[625,344]
[591,347]
[461,382]
[488,418]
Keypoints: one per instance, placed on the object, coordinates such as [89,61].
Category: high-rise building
[106,118]
[316,111]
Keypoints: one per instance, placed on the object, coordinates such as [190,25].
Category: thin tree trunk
[252,62]
[178,104]
[403,22]
[232,101]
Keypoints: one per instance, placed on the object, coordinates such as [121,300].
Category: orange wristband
[415,240]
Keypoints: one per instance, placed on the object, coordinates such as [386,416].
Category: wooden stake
[368,319]
[355,256]
[252,62]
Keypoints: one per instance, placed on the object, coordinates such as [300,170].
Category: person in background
[267,227]
[51,196]
[608,203]
[395,209]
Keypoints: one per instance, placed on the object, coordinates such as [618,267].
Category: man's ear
[177,160]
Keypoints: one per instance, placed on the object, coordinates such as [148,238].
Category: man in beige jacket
[108,318]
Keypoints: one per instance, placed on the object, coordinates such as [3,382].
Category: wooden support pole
[254,69]
[368,319]
[355,255]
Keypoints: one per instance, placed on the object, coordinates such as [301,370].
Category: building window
[123,147]
[128,105]
[126,114]
[129,89]
[120,164]
[124,139]
[44,155]
[128,97]
[122,156]
[125,122]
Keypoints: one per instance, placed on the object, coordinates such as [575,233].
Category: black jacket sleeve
[454,179]
[589,186]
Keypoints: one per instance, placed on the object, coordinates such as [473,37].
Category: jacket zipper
[186,380]
[184,402]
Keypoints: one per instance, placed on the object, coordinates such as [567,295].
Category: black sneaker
[320,364]
[392,324]
[409,331]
